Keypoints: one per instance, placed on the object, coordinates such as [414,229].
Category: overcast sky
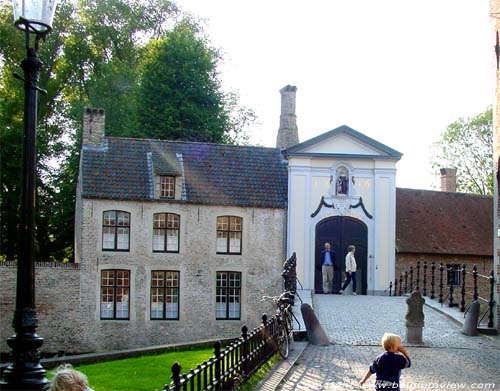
[398,71]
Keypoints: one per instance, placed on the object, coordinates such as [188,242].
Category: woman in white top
[350,269]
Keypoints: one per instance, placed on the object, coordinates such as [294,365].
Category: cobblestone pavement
[448,360]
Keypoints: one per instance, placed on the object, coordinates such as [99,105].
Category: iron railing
[456,285]
[231,367]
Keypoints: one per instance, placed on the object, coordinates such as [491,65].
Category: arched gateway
[342,188]
[340,232]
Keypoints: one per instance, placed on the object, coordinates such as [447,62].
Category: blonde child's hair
[67,379]
[389,341]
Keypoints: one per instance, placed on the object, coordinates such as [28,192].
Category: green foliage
[94,57]
[467,144]
[180,95]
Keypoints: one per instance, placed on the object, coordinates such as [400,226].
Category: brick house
[445,227]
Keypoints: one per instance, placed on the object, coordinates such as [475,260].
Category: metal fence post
[265,335]
[244,350]
[411,279]
[390,288]
[450,298]
[462,302]
[474,277]
[218,373]
[441,268]
[433,269]
[406,281]
[491,302]
[418,276]
[400,283]
[176,376]
[425,279]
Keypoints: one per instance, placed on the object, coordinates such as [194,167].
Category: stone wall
[484,267]
[57,303]
[197,262]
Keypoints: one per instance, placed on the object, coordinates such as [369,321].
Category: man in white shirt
[350,269]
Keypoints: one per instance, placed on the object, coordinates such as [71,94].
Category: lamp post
[34,17]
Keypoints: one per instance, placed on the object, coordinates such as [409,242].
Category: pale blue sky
[396,70]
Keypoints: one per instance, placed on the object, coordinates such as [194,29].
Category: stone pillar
[448,179]
[414,318]
[93,127]
[288,133]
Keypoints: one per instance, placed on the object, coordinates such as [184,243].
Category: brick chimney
[288,133]
[93,127]
[448,179]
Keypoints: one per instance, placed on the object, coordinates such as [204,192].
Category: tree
[180,94]
[467,144]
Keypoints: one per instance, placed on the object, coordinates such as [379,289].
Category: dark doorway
[340,232]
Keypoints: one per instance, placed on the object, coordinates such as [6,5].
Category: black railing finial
[491,303]
[176,375]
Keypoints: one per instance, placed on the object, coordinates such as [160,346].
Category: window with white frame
[228,295]
[166,232]
[167,187]
[165,295]
[115,293]
[229,230]
[116,230]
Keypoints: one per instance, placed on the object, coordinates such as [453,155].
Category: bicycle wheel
[283,342]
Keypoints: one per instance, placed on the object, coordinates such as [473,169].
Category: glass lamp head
[34,15]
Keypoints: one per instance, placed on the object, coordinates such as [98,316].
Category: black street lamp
[34,17]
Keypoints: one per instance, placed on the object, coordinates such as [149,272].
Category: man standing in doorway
[350,269]
[328,265]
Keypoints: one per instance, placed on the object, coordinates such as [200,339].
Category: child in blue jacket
[388,365]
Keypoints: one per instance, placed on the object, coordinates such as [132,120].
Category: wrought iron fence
[231,367]
[453,291]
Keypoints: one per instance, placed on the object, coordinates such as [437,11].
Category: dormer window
[167,187]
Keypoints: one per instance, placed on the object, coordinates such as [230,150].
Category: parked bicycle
[285,316]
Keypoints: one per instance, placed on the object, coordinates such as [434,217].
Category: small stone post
[471,319]
[414,318]
[315,332]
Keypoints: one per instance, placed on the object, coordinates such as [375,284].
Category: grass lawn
[149,373]
[146,373]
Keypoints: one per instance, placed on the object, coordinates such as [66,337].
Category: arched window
[115,230]
[166,232]
[229,229]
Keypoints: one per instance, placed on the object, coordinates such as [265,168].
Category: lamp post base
[25,373]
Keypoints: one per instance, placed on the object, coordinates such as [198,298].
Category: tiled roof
[436,222]
[214,173]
